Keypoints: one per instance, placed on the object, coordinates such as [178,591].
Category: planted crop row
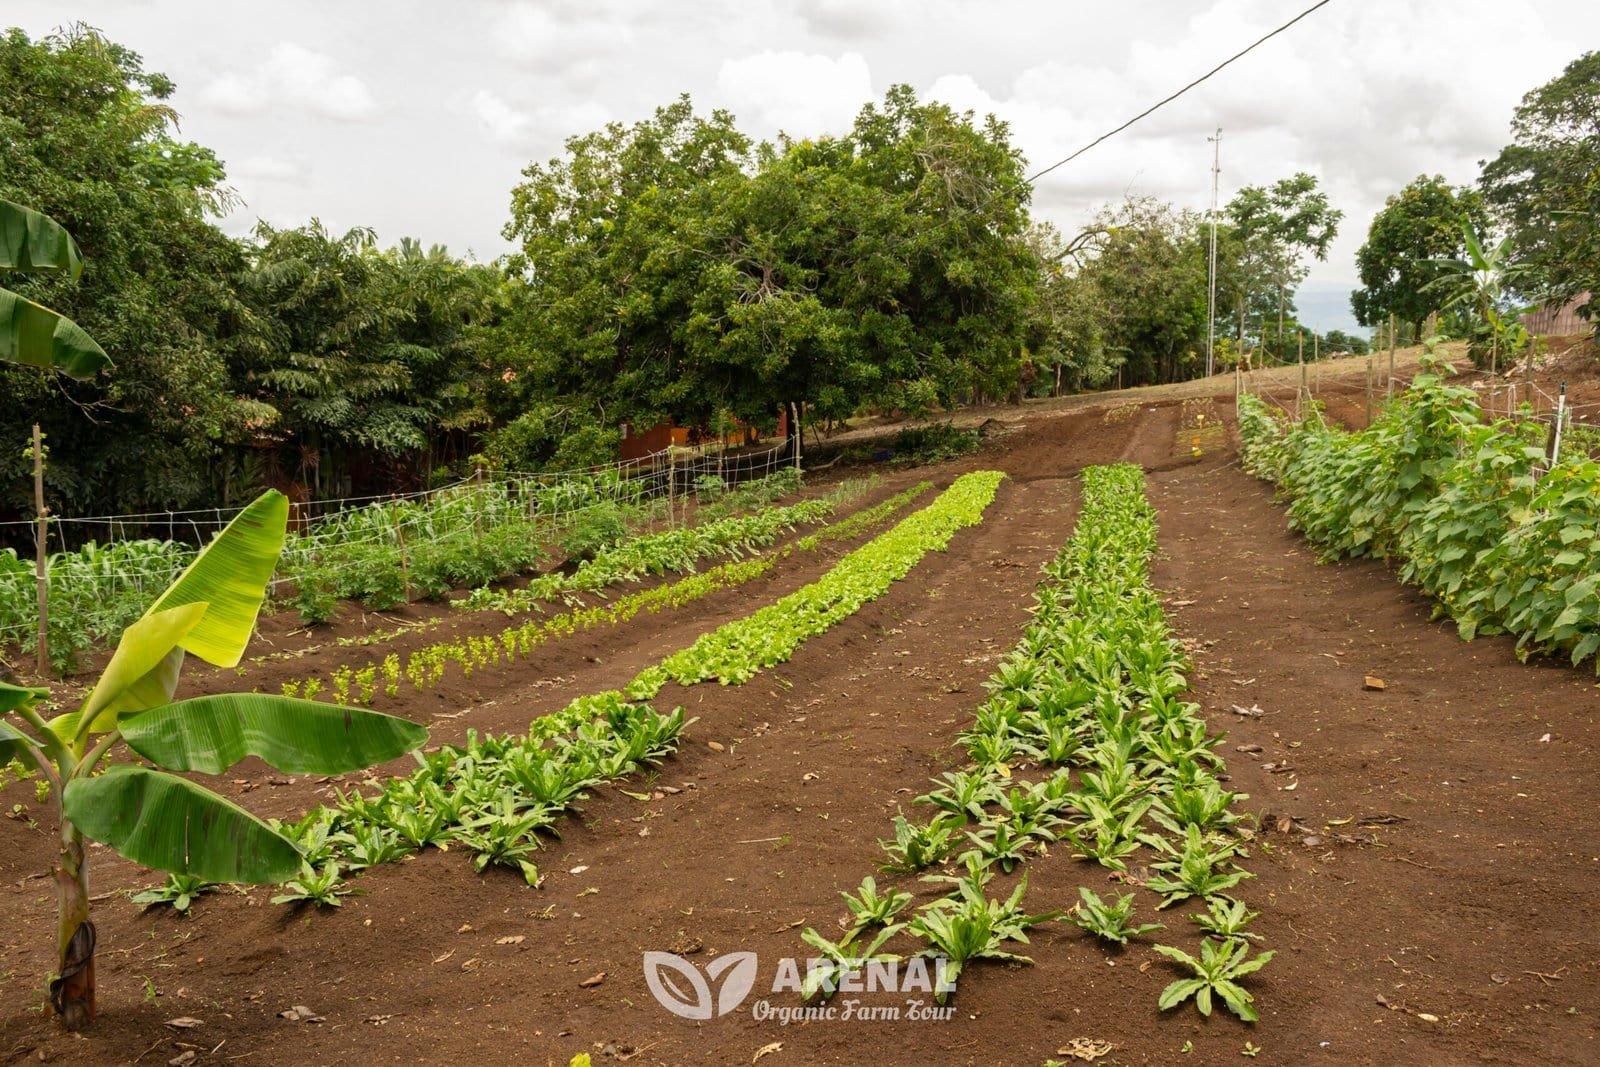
[676,550]
[1083,740]
[384,553]
[94,593]
[475,534]
[497,799]
[736,651]
[426,667]
[1463,505]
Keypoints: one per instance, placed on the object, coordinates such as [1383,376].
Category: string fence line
[376,530]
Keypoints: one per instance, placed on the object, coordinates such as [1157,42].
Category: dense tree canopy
[1271,231]
[1544,187]
[86,139]
[672,269]
[1416,229]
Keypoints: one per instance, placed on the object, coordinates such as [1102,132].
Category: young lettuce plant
[1109,922]
[155,818]
[1219,968]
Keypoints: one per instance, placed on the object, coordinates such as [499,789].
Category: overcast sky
[416,117]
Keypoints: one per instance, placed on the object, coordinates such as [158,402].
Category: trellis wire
[335,540]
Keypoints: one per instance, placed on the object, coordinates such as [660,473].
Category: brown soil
[1428,844]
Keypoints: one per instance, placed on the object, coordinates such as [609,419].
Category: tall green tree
[670,269]
[1274,228]
[1147,282]
[1416,228]
[87,138]
[353,348]
[1544,187]
[609,261]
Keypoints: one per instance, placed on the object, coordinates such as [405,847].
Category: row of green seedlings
[477,534]
[736,651]
[1090,703]
[675,551]
[466,537]
[1464,505]
[496,798]
[94,593]
[426,667]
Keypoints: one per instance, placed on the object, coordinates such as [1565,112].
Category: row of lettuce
[495,796]
[426,667]
[1469,509]
[386,553]
[1084,741]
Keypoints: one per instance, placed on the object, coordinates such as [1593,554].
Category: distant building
[1559,320]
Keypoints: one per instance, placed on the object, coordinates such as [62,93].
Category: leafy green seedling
[1226,917]
[1220,966]
[179,890]
[916,847]
[1109,922]
[870,908]
[322,886]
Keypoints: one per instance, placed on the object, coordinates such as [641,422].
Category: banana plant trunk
[72,993]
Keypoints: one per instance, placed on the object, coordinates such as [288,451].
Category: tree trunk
[72,993]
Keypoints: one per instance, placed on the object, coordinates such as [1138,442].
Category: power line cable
[1169,99]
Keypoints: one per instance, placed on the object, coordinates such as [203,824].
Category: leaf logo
[682,989]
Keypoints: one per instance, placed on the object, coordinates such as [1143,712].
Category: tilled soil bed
[1423,859]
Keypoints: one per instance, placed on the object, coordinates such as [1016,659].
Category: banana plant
[30,333]
[156,818]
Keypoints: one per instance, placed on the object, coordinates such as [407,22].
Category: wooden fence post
[1300,357]
[400,539]
[1389,386]
[1369,388]
[41,555]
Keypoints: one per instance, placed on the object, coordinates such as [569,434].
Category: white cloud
[499,119]
[798,93]
[270,169]
[292,77]
[557,39]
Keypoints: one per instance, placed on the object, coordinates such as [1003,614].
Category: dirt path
[1471,774]
[1459,892]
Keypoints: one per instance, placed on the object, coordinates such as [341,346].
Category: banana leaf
[12,697]
[35,336]
[143,671]
[230,577]
[31,241]
[165,822]
[212,733]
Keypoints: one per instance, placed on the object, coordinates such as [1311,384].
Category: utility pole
[1211,297]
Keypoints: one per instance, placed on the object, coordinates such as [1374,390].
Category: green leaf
[165,822]
[1179,991]
[212,733]
[1238,1000]
[35,336]
[143,671]
[18,696]
[33,241]
[230,577]
[12,742]
[1585,648]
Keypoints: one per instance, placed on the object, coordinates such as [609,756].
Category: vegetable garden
[1022,717]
